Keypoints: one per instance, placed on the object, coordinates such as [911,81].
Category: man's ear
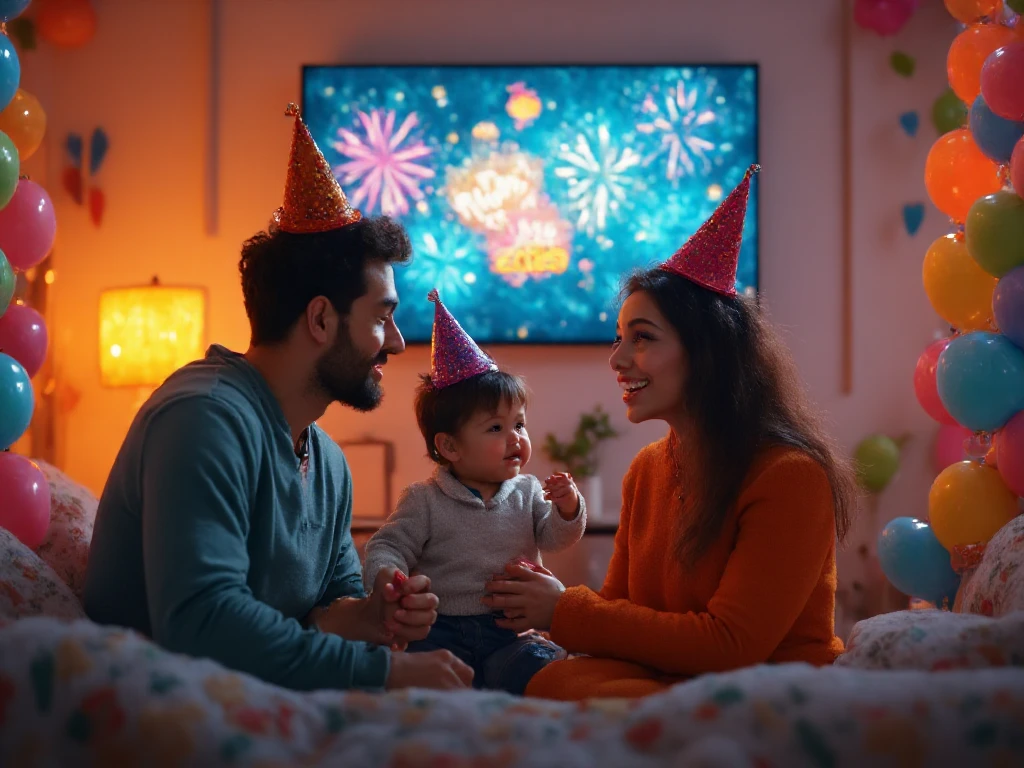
[446,446]
[321,319]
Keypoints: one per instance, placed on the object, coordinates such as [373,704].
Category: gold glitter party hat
[313,199]
[710,257]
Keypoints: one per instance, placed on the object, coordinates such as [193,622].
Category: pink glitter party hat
[710,257]
[454,356]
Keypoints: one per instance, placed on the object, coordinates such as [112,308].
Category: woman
[725,553]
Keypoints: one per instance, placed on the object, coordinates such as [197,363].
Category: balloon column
[972,383]
[27,231]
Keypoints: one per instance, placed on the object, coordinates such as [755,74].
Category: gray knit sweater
[442,530]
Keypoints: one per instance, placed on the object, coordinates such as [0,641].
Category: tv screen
[529,191]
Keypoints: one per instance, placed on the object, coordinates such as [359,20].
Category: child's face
[492,447]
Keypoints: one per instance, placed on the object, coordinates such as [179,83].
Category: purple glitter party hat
[454,356]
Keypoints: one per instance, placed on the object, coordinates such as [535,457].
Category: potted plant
[579,455]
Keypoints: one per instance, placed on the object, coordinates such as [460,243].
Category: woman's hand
[526,597]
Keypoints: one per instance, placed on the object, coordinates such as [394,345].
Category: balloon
[11,9]
[26,508]
[1016,5]
[24,121]
[966,11]
[27,226]
[7,283]
[66,23]
[16,401]
[1010,454]
[995,136]
[1008,305]
[995,232]
[956,173]
[876,459]
[914,561]
[23,336]
[1002,81]
[980,378]
[948,112]
[960,291]
[10,165]
[949,446]
[1017,168]
[924,383]
[885,17]
[10,71]
[967,56]
[968,503]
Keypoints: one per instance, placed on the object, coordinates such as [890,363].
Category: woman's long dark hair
[743,394]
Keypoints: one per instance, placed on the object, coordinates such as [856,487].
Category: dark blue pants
[500,659]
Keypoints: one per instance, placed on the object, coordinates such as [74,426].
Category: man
[223,529]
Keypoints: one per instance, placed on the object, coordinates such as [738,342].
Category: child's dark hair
[447,410]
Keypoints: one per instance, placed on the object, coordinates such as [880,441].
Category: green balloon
[6,283]
[876,459]
[1017,6]
[995,232]
[948,112]
[10,165]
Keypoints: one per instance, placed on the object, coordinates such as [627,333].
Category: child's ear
[446,446]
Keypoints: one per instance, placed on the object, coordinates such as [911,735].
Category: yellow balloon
[968,504]
[959,290]
[24,121]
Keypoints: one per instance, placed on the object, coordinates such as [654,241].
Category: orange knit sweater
[764,592]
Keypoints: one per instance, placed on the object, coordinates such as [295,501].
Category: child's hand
[405,607]
[562,492]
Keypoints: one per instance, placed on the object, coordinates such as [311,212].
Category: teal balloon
[876,458]
[10,165]
[980,379]
[10,9]
[948,112]
[10,71]
[17,401]
[994,232]
[914,561]
[7,283]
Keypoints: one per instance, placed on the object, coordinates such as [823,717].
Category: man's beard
[346,376]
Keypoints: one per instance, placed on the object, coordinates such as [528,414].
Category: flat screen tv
[529,191]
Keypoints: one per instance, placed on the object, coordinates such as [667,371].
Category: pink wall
[144,78]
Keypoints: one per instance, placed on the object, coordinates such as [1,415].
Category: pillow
[996,586]
[934,641]
[72,515]
[29,587]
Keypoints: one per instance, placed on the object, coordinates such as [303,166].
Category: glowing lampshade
[148,332]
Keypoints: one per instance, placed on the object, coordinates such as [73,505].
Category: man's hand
[433,669]
[562,492]
[406,613]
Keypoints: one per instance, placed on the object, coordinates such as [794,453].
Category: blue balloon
[10,71]
[980,379]
[995,136]
[1008,305]
[17,401]
[915,563]
[12,9]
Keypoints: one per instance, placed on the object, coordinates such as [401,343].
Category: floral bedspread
[74,693]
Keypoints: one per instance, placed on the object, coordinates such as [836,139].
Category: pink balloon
[28,226]
[1017,168]
[23,336]
[925,386]
[949,446]
[886,17]
[1010,453]
[25,505]
[1002,81]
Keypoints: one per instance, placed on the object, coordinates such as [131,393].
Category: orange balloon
[24,121]
[972,10]
[968,504]
[68,23]
[967,55]
[956,174]
[959,290]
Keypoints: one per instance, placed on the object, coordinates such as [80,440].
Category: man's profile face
[350,371]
